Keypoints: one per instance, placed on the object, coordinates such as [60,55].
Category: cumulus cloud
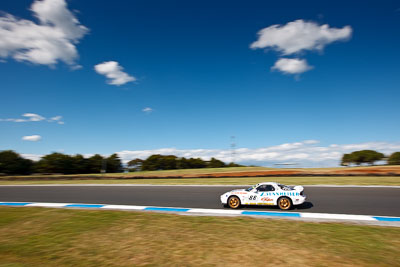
[310,142]
[291,65]
[114,72]
[29,117]
[35,157]
[306,153]
[32,138]
[51,40]
[33,117]
[147,110]
[299,35]
[57,119]
[25,118]
[295,37]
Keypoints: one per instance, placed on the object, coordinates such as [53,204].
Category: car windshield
[250,188]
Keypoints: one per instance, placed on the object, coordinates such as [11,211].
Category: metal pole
[104,165]
[233,146]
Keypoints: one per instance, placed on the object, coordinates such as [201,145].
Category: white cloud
[32,117]
[147,110]
[291,65]
[57,119]
[26,117]
[305,153]
[299,35]
[34,157]
[32,138]
[114,72]
[51,40]
[310,142]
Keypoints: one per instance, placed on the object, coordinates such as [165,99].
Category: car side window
[261,188]
[265,187]
[270,188]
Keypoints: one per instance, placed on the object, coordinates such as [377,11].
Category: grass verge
[61,237]
[331,180]
[388,170]
[160,173]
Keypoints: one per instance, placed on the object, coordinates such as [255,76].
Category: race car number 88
[252,197]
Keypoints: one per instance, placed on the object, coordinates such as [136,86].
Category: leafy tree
[183,163]
[12,163]
[232,164]
[135,165]
[346,160]
[95,164]
[370,156]
[79,164]
[394,159]
[215,163]
[191,163]
[114,164]
[362,156]
[61,163]
[170,162]
[197,163]
[159,162]
[55,163]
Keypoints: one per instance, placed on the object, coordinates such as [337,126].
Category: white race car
[265,194]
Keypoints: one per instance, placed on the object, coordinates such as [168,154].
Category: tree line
[11,163]
[170,162]
[369,157]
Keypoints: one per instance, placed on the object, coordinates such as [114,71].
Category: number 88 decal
[252,197]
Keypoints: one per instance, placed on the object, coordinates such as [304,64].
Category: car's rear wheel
[234,202]
[285,203]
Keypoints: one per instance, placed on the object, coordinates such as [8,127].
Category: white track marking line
[337,216]
[216,211]
[393,221]
[193,185]
[124,207]
[50,205]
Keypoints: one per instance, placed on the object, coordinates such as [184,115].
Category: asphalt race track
[343,200]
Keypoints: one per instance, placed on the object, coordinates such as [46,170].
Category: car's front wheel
[234,202]
[285,203]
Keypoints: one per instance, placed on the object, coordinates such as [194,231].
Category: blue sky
[190,63]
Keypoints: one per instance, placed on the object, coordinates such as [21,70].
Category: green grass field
[187,176]
[331,180]
[61,237]
[156,173]
[203,171]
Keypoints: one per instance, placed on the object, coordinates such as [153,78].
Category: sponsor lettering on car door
[265,196]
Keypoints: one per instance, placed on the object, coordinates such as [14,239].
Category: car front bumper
[224,199]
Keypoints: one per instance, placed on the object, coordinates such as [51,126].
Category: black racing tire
[285,203]
[234,202]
